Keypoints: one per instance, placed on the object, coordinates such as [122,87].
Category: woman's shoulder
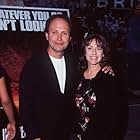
[2,71]
[108,83]
[106,77]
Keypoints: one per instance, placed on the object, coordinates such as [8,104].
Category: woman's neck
[91,71]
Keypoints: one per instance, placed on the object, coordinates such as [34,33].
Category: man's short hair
[64,17]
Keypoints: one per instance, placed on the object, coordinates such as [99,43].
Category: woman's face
[93,53]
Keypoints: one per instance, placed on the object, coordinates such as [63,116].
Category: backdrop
[21,35]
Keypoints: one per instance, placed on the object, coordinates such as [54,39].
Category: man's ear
[46,34]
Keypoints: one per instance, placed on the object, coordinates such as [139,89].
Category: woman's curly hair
[101,42]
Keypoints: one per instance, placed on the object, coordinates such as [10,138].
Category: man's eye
[53,32]
[64,33]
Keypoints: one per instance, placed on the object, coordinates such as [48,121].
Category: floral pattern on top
[85,101]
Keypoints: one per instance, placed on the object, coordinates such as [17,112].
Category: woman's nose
[94,51]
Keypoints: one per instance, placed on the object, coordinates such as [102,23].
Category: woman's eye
[88,48]
[99,48]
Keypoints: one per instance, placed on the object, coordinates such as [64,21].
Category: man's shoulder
[37,58]
[35,61]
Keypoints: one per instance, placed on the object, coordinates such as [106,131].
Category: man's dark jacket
[46,112]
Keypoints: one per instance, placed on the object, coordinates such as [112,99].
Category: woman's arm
[107,108]
[7,105]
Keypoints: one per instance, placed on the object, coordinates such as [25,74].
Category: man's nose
[59,37]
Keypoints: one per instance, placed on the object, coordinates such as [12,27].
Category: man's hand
[38,139]
[108,69]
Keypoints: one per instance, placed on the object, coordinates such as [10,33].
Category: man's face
[58,35]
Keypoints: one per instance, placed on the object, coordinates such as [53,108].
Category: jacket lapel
[68,73]
[52,76]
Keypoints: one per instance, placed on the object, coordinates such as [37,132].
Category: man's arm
[108,69]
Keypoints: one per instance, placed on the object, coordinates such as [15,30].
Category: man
[47,86]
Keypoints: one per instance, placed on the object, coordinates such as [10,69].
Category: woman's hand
[11,129]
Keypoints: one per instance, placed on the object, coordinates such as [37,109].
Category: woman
[98,94]
[7,106]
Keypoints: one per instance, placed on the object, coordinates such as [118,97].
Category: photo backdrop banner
[26,19]
[21,35]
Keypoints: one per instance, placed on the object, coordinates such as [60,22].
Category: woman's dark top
[100,118]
